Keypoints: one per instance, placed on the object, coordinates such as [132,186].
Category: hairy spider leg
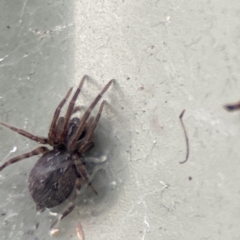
[83,147]
[52,129]
[26,134]
[70,110]
[59,126]
[82,143]
[73,200]
[81,126]
[82,171]
[96,120]
[36,151]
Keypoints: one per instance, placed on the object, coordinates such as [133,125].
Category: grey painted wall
[166,56]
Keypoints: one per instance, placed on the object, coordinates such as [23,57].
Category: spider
[61,170]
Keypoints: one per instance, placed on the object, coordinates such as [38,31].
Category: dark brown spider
[61,170]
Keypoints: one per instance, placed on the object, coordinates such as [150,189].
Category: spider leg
[81,126]
[36,151]
[72,205]
[59,127]
[82,140]
[84,147]
[52,129]
[26,134]
[83,172]
[96,120]
[70,110]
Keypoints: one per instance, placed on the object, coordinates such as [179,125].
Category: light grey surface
[166,56]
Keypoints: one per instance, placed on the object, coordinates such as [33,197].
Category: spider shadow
[103,163]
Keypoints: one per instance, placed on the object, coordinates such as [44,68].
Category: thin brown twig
[186,136]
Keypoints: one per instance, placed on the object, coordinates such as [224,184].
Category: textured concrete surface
[166,56]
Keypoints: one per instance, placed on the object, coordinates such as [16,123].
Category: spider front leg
[52,129]
[59,126]
[70,110]
[86,115]
[36,151]
[87,143]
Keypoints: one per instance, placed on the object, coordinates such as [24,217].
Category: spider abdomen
[52,179]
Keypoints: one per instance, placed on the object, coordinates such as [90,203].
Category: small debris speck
[54,232]
[80,232]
